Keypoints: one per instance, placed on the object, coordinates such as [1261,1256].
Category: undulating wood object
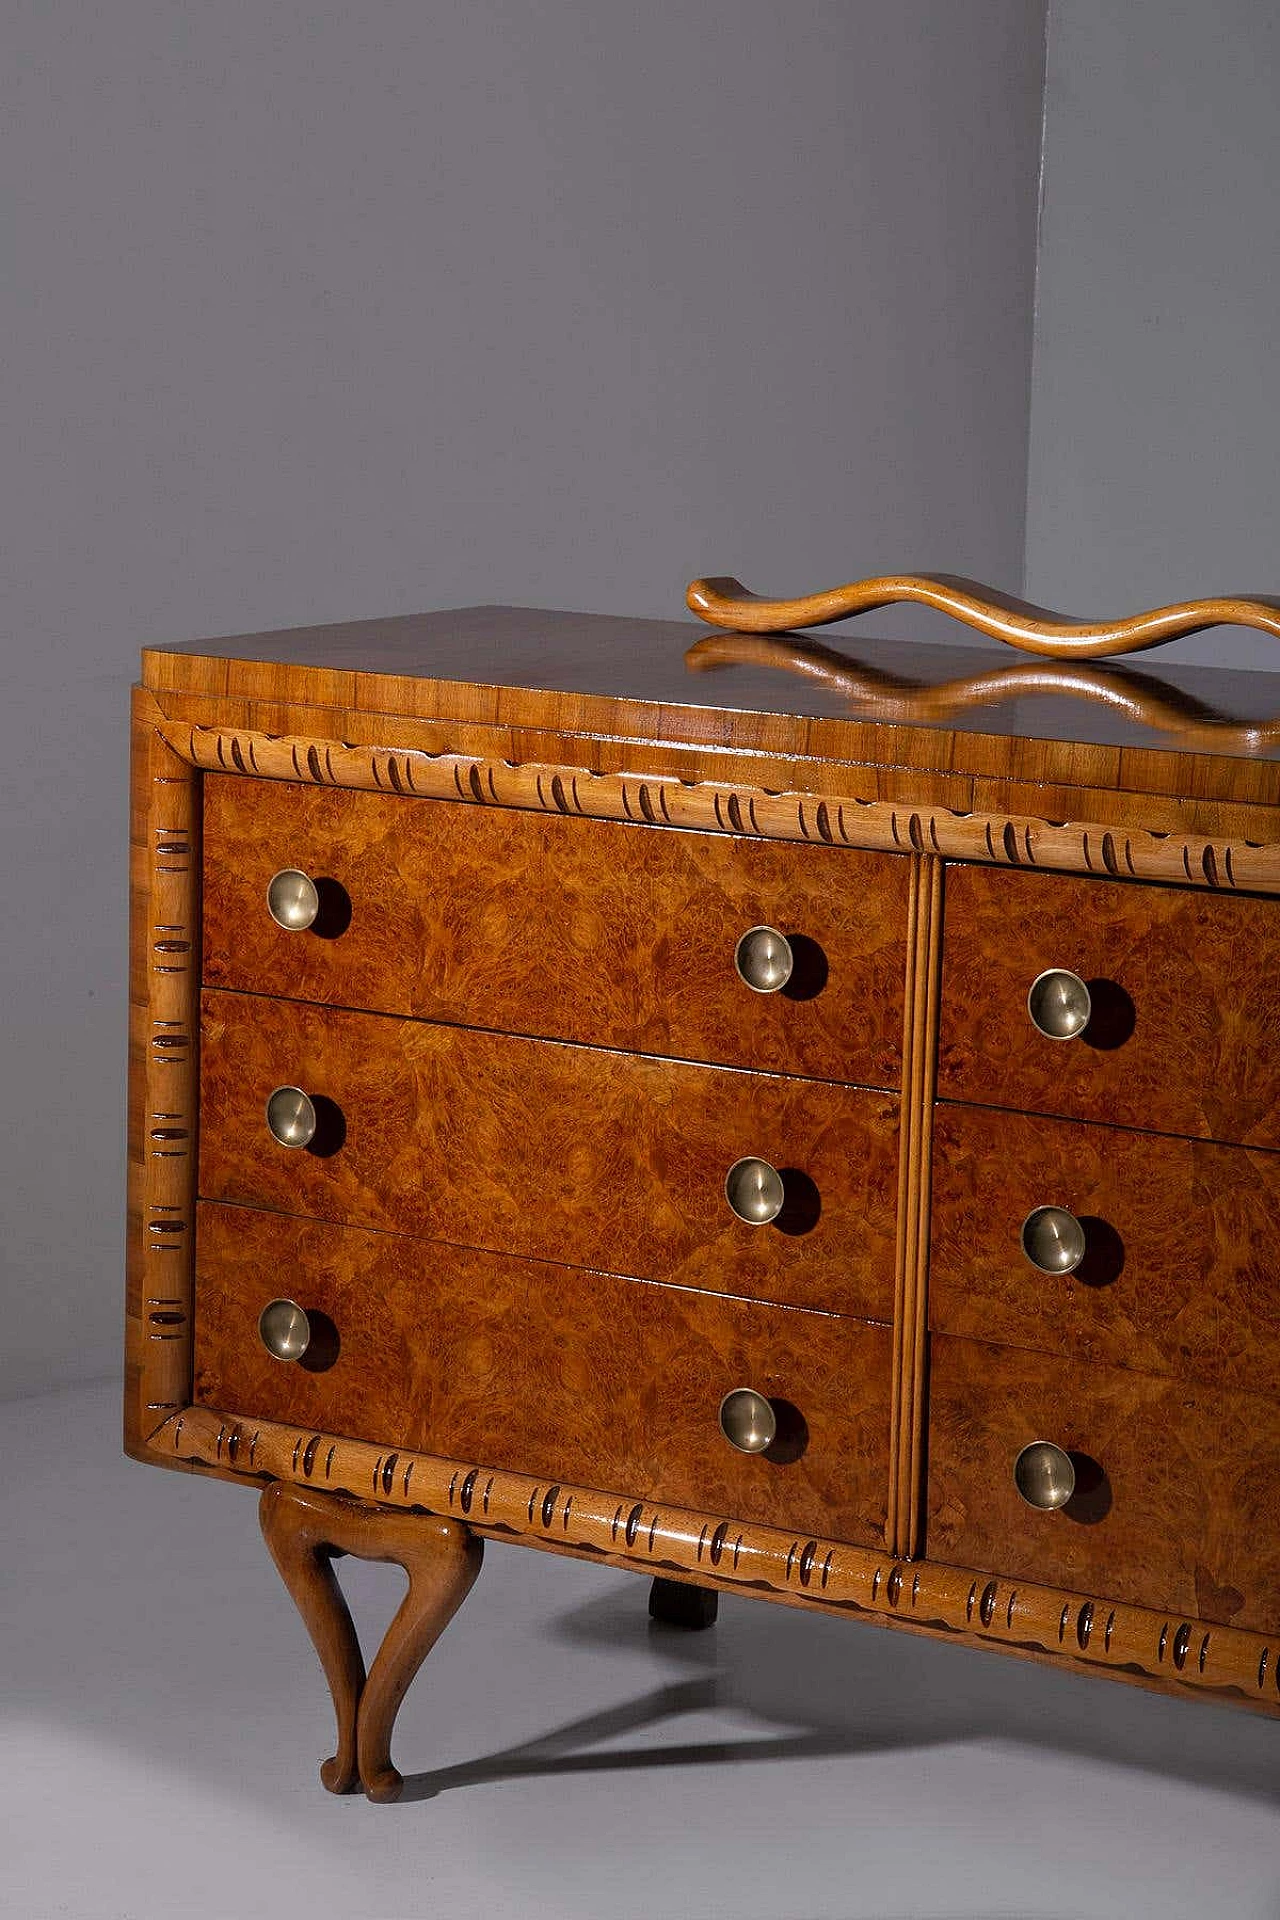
[726,603]
[768,1120]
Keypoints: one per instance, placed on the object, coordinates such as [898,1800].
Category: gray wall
[325,311]
[1155,422]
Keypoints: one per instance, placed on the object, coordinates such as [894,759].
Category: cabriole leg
[305,1532]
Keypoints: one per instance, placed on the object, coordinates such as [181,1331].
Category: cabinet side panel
[164,974]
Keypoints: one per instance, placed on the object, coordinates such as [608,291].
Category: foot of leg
[678,1604]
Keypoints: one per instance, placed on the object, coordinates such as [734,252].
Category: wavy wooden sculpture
[1129,691]
[725,602]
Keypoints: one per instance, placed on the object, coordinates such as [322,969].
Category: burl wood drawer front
[570,1376]
[1178,1257]
[577,929]
[1185,1031]
[1177,1485]
[535,1148]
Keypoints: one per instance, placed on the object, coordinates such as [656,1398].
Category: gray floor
[162,1717]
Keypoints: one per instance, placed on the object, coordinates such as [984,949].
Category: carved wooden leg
[305,1532]
[442,1560]
[298,1530]
[677,1603]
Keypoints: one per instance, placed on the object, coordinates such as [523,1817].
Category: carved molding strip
[725,602]
[163,1042]
[665,800]
[833,1577]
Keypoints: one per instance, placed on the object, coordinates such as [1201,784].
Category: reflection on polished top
[673,680]
[1157,702]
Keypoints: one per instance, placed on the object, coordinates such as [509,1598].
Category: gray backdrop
[1155,421]
[329,311]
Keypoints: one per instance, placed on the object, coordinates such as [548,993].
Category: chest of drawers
[808,1133]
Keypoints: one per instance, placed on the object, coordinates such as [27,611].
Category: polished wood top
[957,707]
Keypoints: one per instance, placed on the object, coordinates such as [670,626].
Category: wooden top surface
[964,708]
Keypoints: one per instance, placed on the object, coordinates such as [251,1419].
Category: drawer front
[1180,1257]
[533,1148]
[587,930]
[585,1378]
[1185,1031]
[1177,1485]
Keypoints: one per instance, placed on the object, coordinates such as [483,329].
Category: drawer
[538,1149]
[587,930]
[1185,1031]
[1177,1486]
[568,1376]
[1180,1266]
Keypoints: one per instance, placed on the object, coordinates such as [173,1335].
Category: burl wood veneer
[1177,1484]
[549,1371]
[588,930]
[1181,1266]
[1185,1033]
[507,1294]
[603,1160]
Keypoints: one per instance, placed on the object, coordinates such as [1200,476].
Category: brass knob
[1059,1004]
[1053,1240]
[284,1329]
[764,959]
[747,1420]
[755,1191]
[291,1117]
[293,899]
[1045,1476]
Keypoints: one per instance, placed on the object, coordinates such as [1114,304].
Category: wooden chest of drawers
[794,1133]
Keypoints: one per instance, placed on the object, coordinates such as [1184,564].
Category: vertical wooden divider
[910,1313]
[164,984]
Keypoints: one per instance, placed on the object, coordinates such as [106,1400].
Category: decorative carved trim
[955,1602]
[164,989]
[663,800]
[725,602]
[910,1313]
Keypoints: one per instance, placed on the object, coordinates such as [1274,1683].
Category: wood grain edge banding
[164,985]
[1162,1650]
[1218,864]
[919,1045]
[916,1310]
[893,1539]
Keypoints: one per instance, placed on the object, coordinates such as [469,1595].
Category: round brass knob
[755,1191]
[764,959]
[284,1329]
[747,1420]
[291,1117]
[1059,1004]
[1045,1476]
[1053,1240]
[293,899]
